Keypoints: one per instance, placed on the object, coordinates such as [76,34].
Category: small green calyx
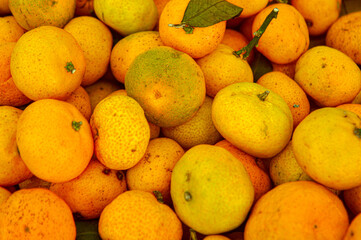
[296,105]
[76,125]
[263,96]
[70,67]
[187,196]
[159,196]
[192,234]
[357,132]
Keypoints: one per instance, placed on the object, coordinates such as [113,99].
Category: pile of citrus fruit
[180,119]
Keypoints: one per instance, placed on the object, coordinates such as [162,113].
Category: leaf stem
[159,196]
[263,96]
[257,35]
[193,234]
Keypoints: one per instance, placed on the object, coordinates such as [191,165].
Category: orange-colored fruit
[34,182]
[47,62]
[31,14]
[237,41]
[160,4]
[4,8]
[168,84]
[352,199]
[84,7]
[96,41]
[36,214]
[222,68]
[12,168]
[328,76]
[260,180]
[289,69]
[216,237]
[327,147]
[81,100]
[353,107]
[10,30]
[297,210]
[290,91]
[137,214]
[54,140]
[354,230]
[89,193]
[153,172]
[4,195]
[10,95]
[121,132]
[286,37]
[250,8]
[198,44]
[246,27]
[128,48]
[253,118]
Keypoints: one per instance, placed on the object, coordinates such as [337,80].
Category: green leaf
[87,230]
[205,13]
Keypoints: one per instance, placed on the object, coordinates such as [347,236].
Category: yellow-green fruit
[168,84]
[198,130]
[127,16]
[211,190]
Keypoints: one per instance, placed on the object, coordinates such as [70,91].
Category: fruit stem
[257,35]
[188,29]
[357,132]
[159,196]
[76,125]
[263,96]
[187,196]
[70,67]
[193,234]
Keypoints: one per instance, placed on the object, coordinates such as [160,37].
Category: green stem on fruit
[263,96]
[70,67]
[257,35]
[357,132]
[193,234]
[76,125]
[159,196]
[187,196]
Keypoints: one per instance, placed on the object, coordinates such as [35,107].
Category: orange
[101,89]
[201,42]
[352,199]
[286,37]
[10,95]
[34,182]
[246,27]
[4,195]
[31,14]
[253,118]
[297,210]
[81,100]
[327,146]
[288,69]
[47,62]
[198,130]
[328,76]
[237,41]
[153,172]
[168,85]
[128,48]
[216,237]
[211,191]
[96,41]
[10,30]
[353,107]
[249,7]
[344,35]
[353,231]
[4,7]
[319,15]
[84,7]
[137,214]
[36,214]
[121,132]
[12,168]
[89,193]
[54,140]
[260,180]
[290,91]
[221,68]
[160,4]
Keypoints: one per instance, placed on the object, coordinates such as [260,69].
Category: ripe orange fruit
[352,199]
[297,210]
[290,91]
[353,231]
[10,30]
[84,7]
[12,168]
[96,41]
[237,41]
[216,237]
[353,107]
[241,112]
[36,214]
[288,69]
[47,62]
[250,8]
[4,7]
[89,193]
[201,42]
[81,100]
[54,140]
[31,14]
[168,84]
[121,132]
[137,214]
[4,195]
